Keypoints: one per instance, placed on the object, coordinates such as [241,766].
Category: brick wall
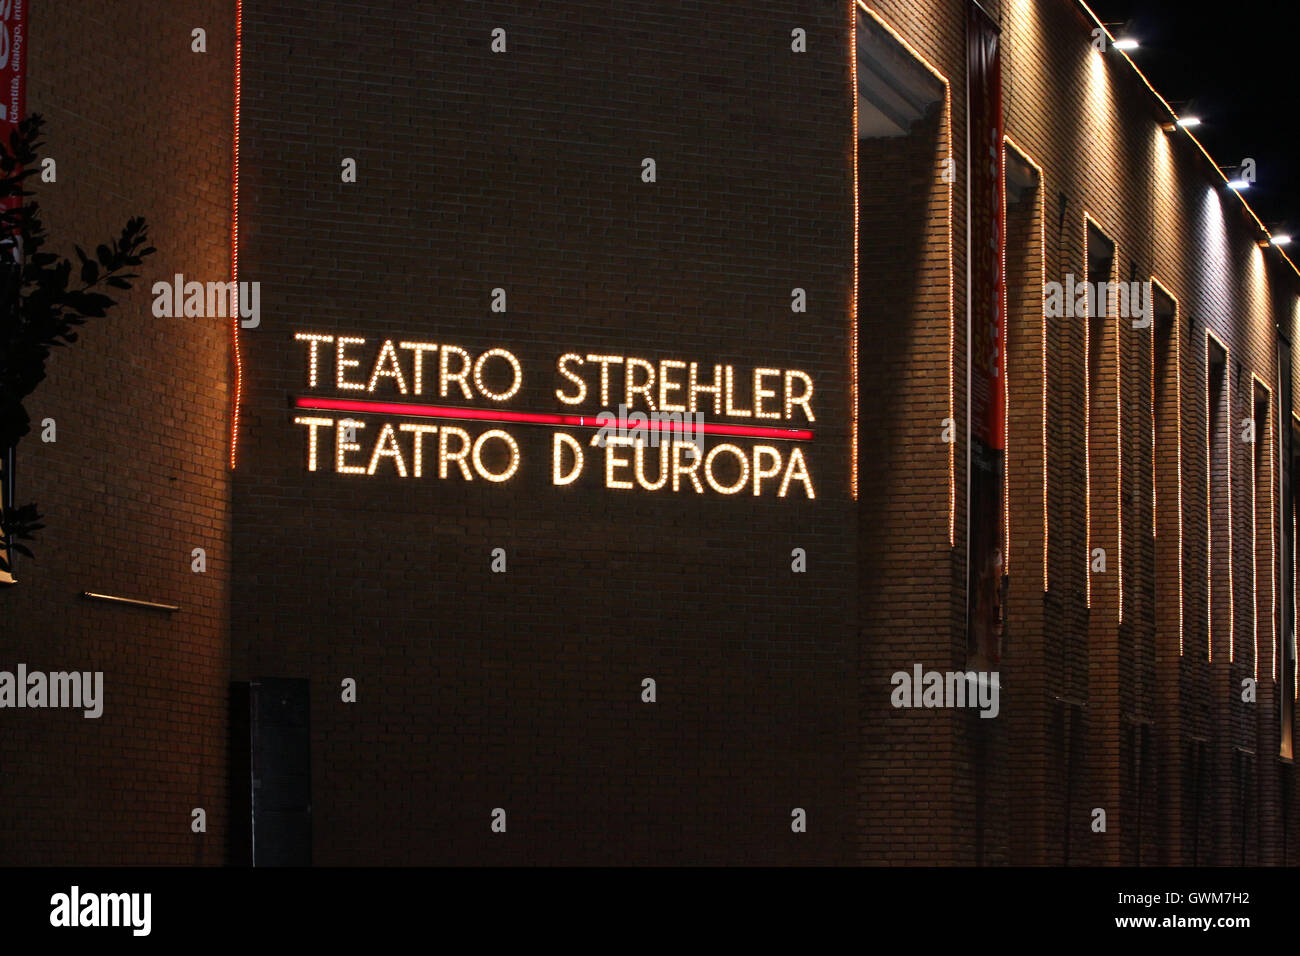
[138,125]
[903,313]
[1093,127]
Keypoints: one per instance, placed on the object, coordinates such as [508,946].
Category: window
[1261,486]
[1166,461]
[1218,497]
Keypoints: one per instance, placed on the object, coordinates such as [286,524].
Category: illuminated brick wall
[1018,830]
[1092,126]
[903,523]
[138,125]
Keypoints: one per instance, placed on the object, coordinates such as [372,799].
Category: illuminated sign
[429,395]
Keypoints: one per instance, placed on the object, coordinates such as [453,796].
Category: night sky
[1235,67]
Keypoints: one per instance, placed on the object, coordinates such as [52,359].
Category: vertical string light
[1087,420]
[1295,592]
[1113,305]
[952,328]
[234,237]
[1272,541]
[1042,265]
[1178,361]
[1272,544]
[853,305]
[1005,345]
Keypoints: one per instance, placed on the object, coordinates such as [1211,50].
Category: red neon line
[537,418]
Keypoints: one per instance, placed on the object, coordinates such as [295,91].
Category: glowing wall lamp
[1235,175]
[1121,38]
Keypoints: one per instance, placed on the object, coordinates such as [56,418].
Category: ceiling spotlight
[1189,121]
[1126,44]
[1281,240]
[1237,185]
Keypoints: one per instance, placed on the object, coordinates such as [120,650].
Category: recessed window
[1219,515]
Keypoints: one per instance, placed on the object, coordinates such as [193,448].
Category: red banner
[13,71]
[987,331]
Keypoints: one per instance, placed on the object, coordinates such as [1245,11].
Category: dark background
[1234,67]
